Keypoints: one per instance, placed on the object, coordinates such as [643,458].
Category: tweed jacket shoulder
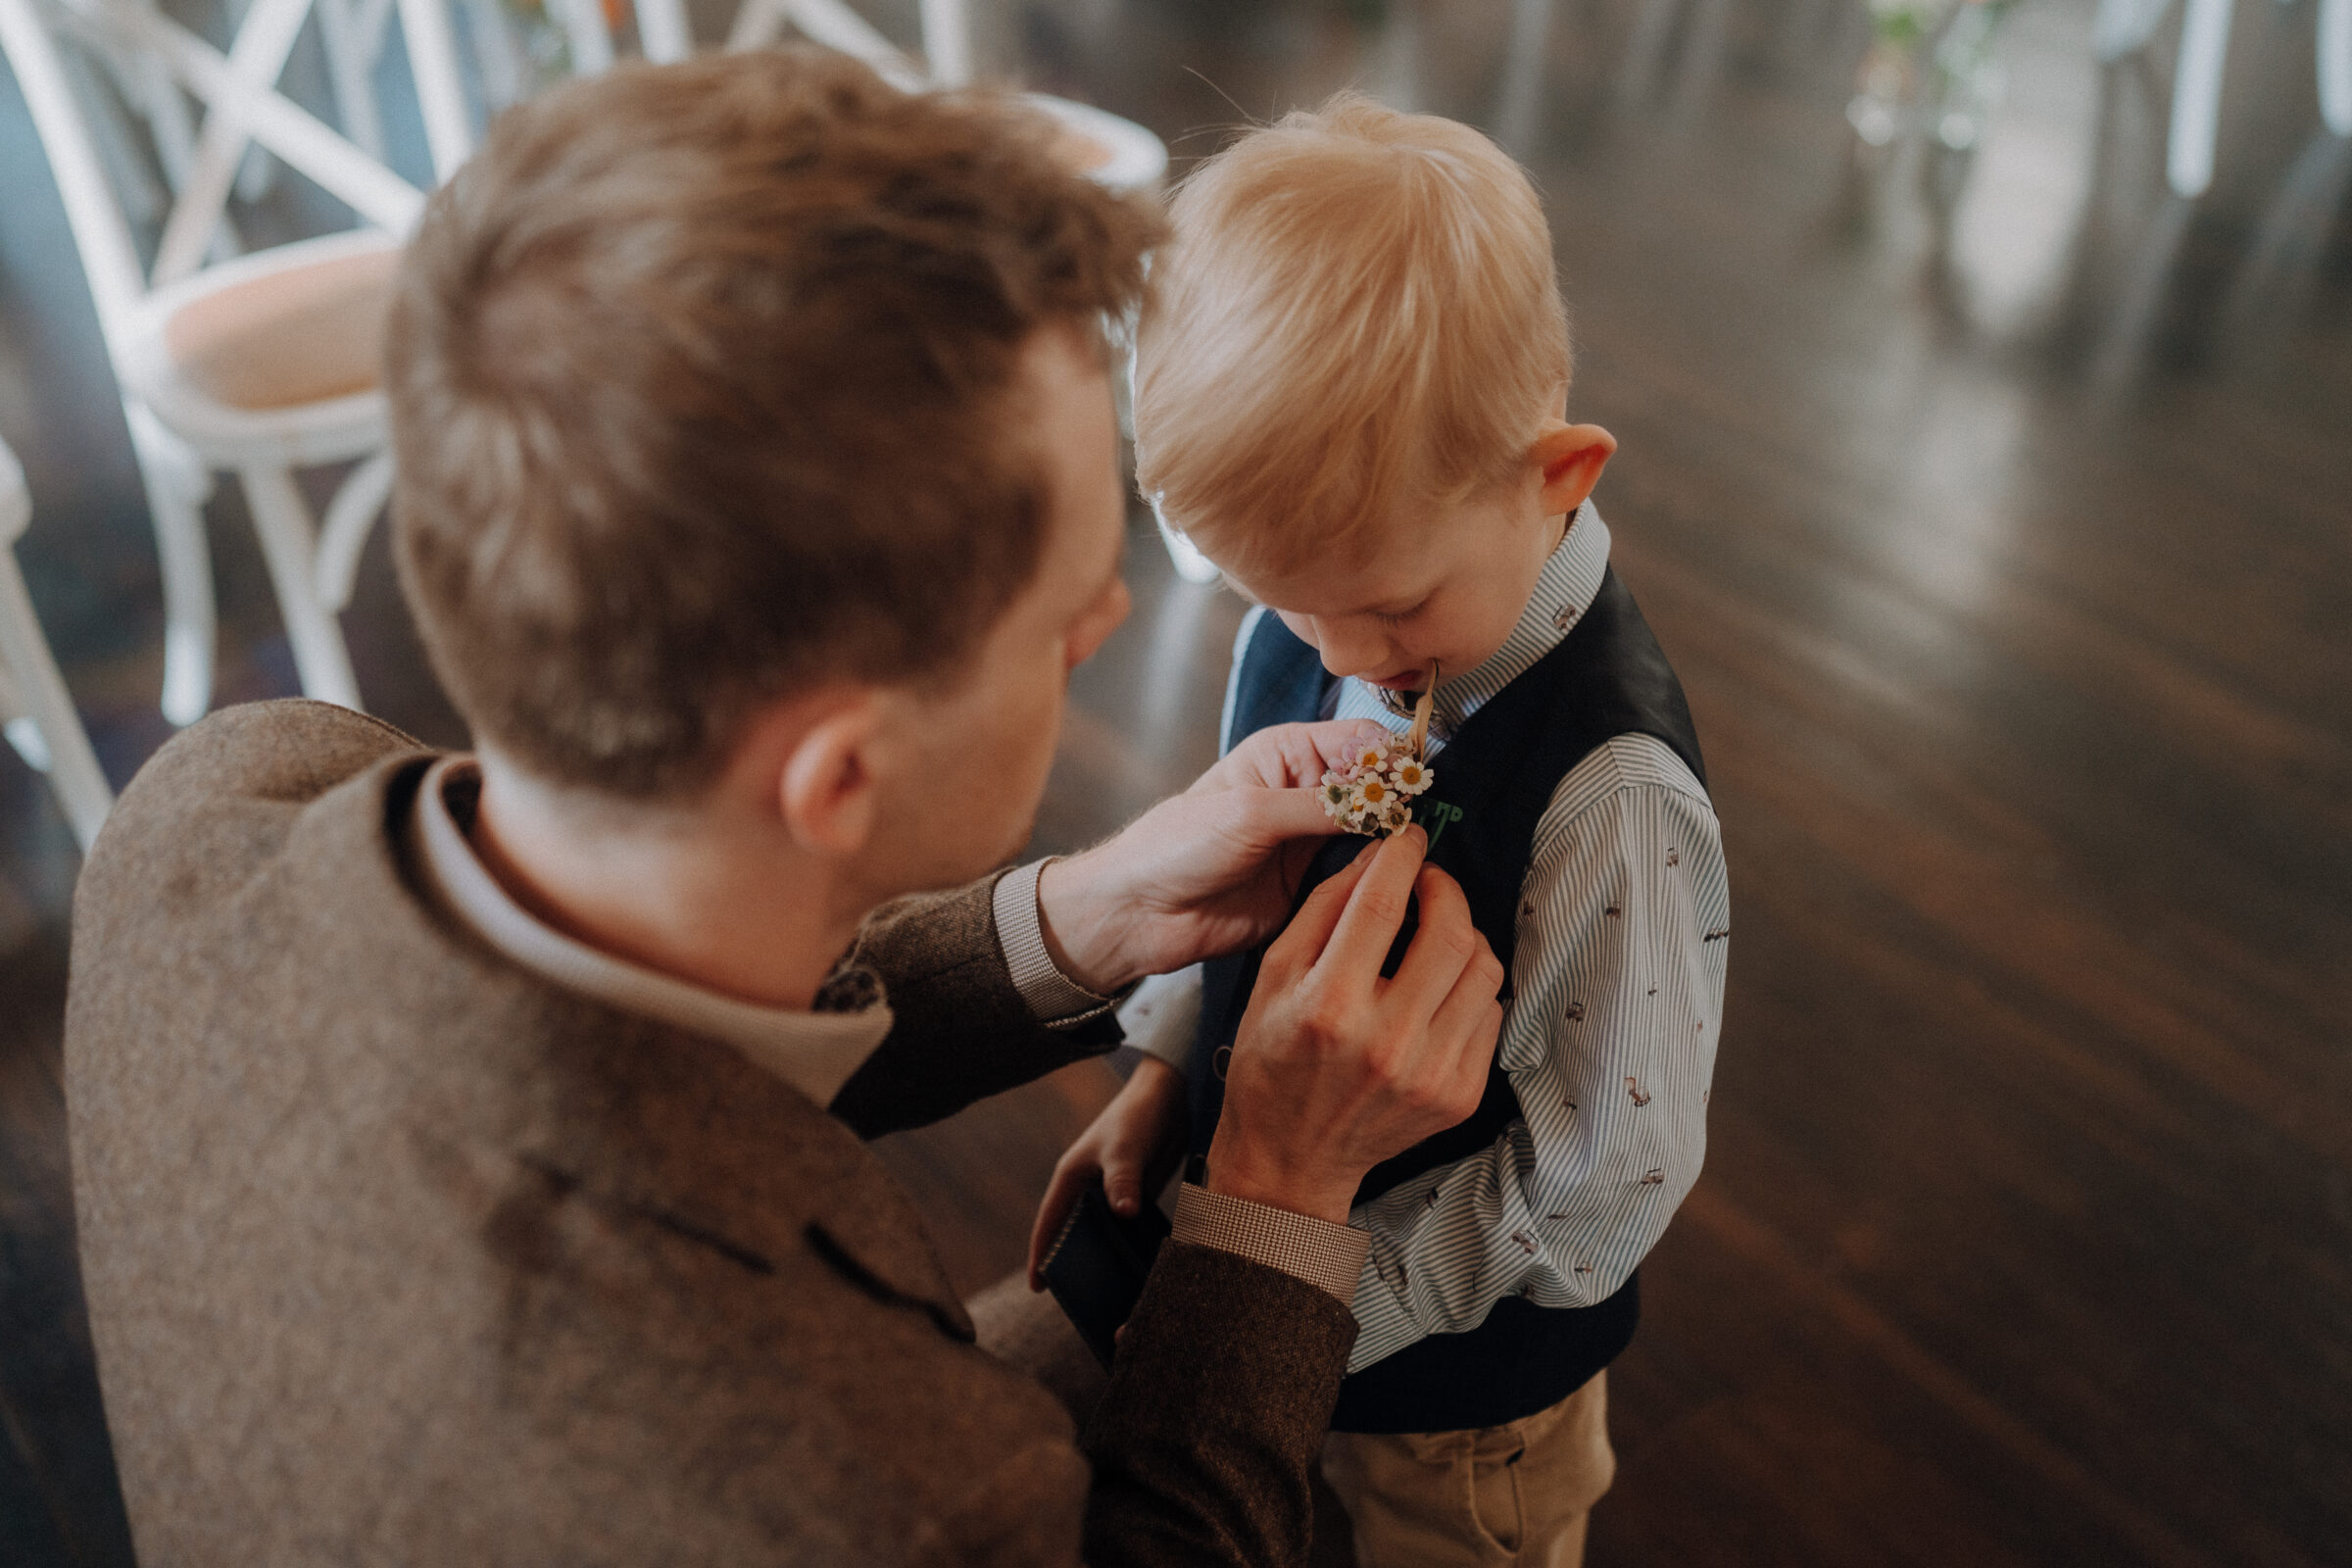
[398,1253]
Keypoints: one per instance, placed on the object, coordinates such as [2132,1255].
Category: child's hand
[1133,1146]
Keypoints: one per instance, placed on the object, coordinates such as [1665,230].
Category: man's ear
[1570,458]
[826,786]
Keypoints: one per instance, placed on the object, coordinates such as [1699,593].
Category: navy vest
[1495,779]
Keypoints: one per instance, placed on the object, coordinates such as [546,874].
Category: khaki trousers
[1518,1493]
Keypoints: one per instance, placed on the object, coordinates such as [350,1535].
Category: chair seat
[301,336]
[275,356]
[1117,152]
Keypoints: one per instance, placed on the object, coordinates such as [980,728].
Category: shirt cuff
[1328,1257]
[1162,1016]
[1057,1001]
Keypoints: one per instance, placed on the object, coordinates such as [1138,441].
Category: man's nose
[1107,619]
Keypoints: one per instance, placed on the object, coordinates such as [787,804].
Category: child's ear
[1570,458]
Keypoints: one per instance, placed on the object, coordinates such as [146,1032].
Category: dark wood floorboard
[1997,511]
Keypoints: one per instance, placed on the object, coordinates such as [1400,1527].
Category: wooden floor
[1998,512]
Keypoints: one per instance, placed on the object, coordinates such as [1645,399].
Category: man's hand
[1334,1069]
[1133,1146]
[1201,873]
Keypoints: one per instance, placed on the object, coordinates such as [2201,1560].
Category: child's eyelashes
[1397,617]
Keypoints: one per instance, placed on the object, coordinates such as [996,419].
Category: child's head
[1349,384]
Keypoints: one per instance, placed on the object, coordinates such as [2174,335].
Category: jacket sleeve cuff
[1328,1257]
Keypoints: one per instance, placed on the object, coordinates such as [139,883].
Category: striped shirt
[1610,1040]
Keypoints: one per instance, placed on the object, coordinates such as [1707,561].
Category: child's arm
[1610,1044]
[1134,1145]
[1162,1016]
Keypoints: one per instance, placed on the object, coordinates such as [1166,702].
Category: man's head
[1350,382]
[726,383]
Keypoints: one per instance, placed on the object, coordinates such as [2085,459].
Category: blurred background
[1983,374]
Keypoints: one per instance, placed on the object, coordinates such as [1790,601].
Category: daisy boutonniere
[1374,793]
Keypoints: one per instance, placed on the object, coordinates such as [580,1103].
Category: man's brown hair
[700,384]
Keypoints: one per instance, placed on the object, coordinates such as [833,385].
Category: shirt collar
[814,1051]
[1565,591]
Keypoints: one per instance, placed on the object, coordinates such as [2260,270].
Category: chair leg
[177,485]
[758,24]
[283,522]
[583,22]
[65,746]
[348,59]
[2335,64]
[2125,27]
[2197,95]
[947,42]
[504,66]
[834,25]
[440,92]
[343,532]
[663,31]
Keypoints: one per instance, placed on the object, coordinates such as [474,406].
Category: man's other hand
[1336,1069]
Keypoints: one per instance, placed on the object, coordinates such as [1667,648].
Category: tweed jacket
[398,1253]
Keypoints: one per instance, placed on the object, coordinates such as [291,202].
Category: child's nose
[1350,648]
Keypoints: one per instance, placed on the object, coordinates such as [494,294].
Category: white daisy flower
[1373,794]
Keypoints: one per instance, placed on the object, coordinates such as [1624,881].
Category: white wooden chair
[257,364]
[1118,152]
[451,118]
[34,706]
[2124,26]
[1115,151]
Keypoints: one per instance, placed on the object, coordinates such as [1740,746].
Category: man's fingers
[1277,816]
[1335,740]
[1290,756]
[1375,911]
[1445,942]
[1301,941]
[1467,1024]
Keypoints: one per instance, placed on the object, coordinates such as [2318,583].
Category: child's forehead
[1385,566]
[1394,574]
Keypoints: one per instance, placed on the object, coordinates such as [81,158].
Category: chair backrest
[236,95]
[585,44]
[37,712]
[947,37]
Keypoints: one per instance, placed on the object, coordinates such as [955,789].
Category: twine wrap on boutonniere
[1374,793]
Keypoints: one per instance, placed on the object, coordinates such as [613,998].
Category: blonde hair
[1357,315]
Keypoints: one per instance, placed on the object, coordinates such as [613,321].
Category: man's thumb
[1276,816]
